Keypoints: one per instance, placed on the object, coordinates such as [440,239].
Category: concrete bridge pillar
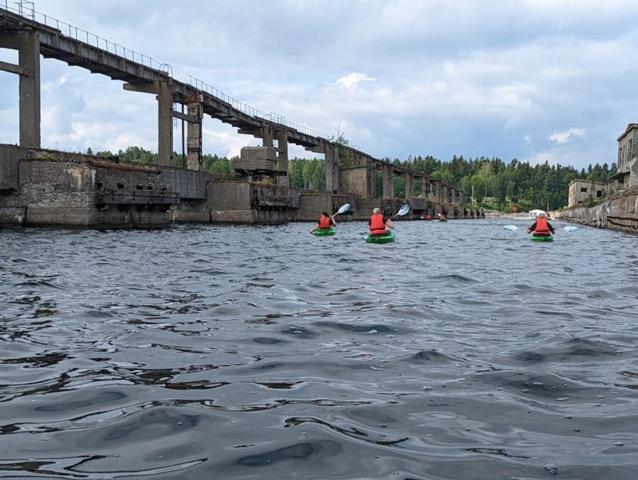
[424,187]
[409,185]
[331,155]
[282,157]
[165,123]
[194,136]
[164,92]
[372,181]
[336,172]
[28,46]
[434,190]
[266,133]
[388,181]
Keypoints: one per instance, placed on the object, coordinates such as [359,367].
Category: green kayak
[541,238]
[325,232]
[387,238]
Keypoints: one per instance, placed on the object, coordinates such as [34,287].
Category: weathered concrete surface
[48,188]
[238,201]
[9,166]
[356,180]
[618,213]
[311,204]
[61,189]
[256,160]
[189,211]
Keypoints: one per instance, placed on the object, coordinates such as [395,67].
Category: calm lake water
[462,351]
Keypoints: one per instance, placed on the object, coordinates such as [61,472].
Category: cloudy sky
[529,79]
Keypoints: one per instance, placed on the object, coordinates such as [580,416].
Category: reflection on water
[460,351]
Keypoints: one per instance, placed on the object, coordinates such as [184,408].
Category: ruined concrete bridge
[349,172]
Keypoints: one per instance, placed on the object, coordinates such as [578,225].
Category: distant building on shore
[583,191]
[627,165]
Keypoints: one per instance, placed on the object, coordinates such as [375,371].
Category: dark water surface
[462,351]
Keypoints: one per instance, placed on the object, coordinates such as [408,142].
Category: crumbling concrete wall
[58,193]
[239,201]
[10,156]
[71,190]
[618,213]
[312,204]
[355,180]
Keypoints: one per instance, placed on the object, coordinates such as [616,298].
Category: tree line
[492,182]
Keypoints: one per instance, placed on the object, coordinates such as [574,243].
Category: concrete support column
[424,187]
[336,172]
[282,157]
[409,185]
[165,123]
[194,138]
[29,63]
[267,136]
[372,182]
[329,155]
[388,181]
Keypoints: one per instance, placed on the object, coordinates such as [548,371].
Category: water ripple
[459,352]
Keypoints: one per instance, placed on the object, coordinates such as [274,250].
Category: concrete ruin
[40,187]
[617,212]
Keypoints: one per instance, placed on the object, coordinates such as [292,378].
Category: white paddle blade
[344,208]
[570,228]
[403,210]
[511,228]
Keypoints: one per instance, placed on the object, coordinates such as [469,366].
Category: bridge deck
[55,44]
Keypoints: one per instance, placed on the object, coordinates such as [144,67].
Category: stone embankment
[619,212]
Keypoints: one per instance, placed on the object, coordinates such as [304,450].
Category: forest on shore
[494,183]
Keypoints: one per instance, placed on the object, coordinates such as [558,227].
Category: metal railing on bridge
[245,108]
[27,10]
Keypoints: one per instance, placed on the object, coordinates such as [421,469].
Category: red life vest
[542,226]
[377,224]
[324,222]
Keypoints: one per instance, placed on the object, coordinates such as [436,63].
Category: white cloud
[566,135]
[353,79]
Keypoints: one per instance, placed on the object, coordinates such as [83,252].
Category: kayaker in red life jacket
[379,224]
[541,227]
[325,221]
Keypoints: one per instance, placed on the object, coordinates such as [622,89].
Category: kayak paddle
[343,209]
[402,211]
